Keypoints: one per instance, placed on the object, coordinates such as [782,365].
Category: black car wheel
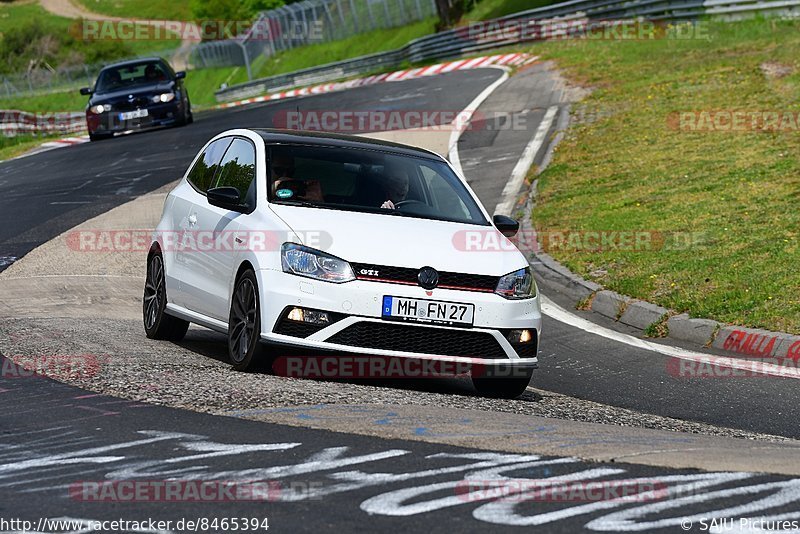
[99,137]
[157,324]
[244,324]
[190,119]
[503,382]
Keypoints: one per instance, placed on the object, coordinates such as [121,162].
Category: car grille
[138,102]
[408,276]
[421,339]
[295,328]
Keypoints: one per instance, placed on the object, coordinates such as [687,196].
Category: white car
[342,244]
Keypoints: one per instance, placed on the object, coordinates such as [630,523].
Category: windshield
[367,180]
[123,77]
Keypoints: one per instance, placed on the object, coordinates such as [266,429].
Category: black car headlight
[517,285]
[100,108]
[311,263]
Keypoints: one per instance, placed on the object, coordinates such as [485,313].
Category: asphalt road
[55,436]
[48,193]
[71,456]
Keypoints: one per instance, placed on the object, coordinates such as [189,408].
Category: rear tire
[504,383]
[99,137]
[245,349]
[157,323]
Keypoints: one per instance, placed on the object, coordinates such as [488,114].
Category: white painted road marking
[509,195]
[465,116]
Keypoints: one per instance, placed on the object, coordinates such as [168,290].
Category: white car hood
[396,241]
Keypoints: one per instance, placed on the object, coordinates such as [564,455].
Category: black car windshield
[353,179]
[126,76]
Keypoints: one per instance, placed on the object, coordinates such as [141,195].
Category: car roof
[301,137]
[133,62]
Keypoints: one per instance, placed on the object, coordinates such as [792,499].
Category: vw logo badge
[428,278]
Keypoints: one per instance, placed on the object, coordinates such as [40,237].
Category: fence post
[388,17]
[353,15]
[246,59]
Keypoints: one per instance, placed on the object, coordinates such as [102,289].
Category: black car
[136,94]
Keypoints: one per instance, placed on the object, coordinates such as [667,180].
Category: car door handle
[192,219]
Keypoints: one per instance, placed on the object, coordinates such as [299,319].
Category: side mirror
[507,226]
[86,90]
[226,198]
[180,75]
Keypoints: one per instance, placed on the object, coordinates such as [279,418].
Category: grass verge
[623,166]
[140,9]
[14,146]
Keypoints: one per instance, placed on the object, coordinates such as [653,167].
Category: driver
[151,73]
[396,186]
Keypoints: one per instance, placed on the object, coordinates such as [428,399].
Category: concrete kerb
[736,340]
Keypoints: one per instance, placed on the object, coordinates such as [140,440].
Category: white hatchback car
[343,244]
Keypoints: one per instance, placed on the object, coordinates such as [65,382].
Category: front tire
[157,324]
[504,383]
[244,324]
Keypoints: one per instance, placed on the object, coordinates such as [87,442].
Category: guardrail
[554,21]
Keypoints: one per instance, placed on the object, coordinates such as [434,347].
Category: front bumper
[360,328]
[157,115]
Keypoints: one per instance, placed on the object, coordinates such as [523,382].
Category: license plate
[138,114]
[427,311]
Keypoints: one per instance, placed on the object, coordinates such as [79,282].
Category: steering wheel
[408,202]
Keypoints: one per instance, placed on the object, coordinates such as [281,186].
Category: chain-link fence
[310,22]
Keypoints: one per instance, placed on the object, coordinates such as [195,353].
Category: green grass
[140,9]
[61,101]
[621,167]
[14,146]
[491,9]
[359,45]
[202,83]
[12,13]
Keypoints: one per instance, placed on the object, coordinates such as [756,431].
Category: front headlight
[100,108]
[304,261]
[164,97]
[517,285]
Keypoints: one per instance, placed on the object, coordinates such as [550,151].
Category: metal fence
[311,22]
[554,21]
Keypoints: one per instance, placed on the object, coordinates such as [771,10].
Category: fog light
[520,336]
[309,316]
[317,317]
